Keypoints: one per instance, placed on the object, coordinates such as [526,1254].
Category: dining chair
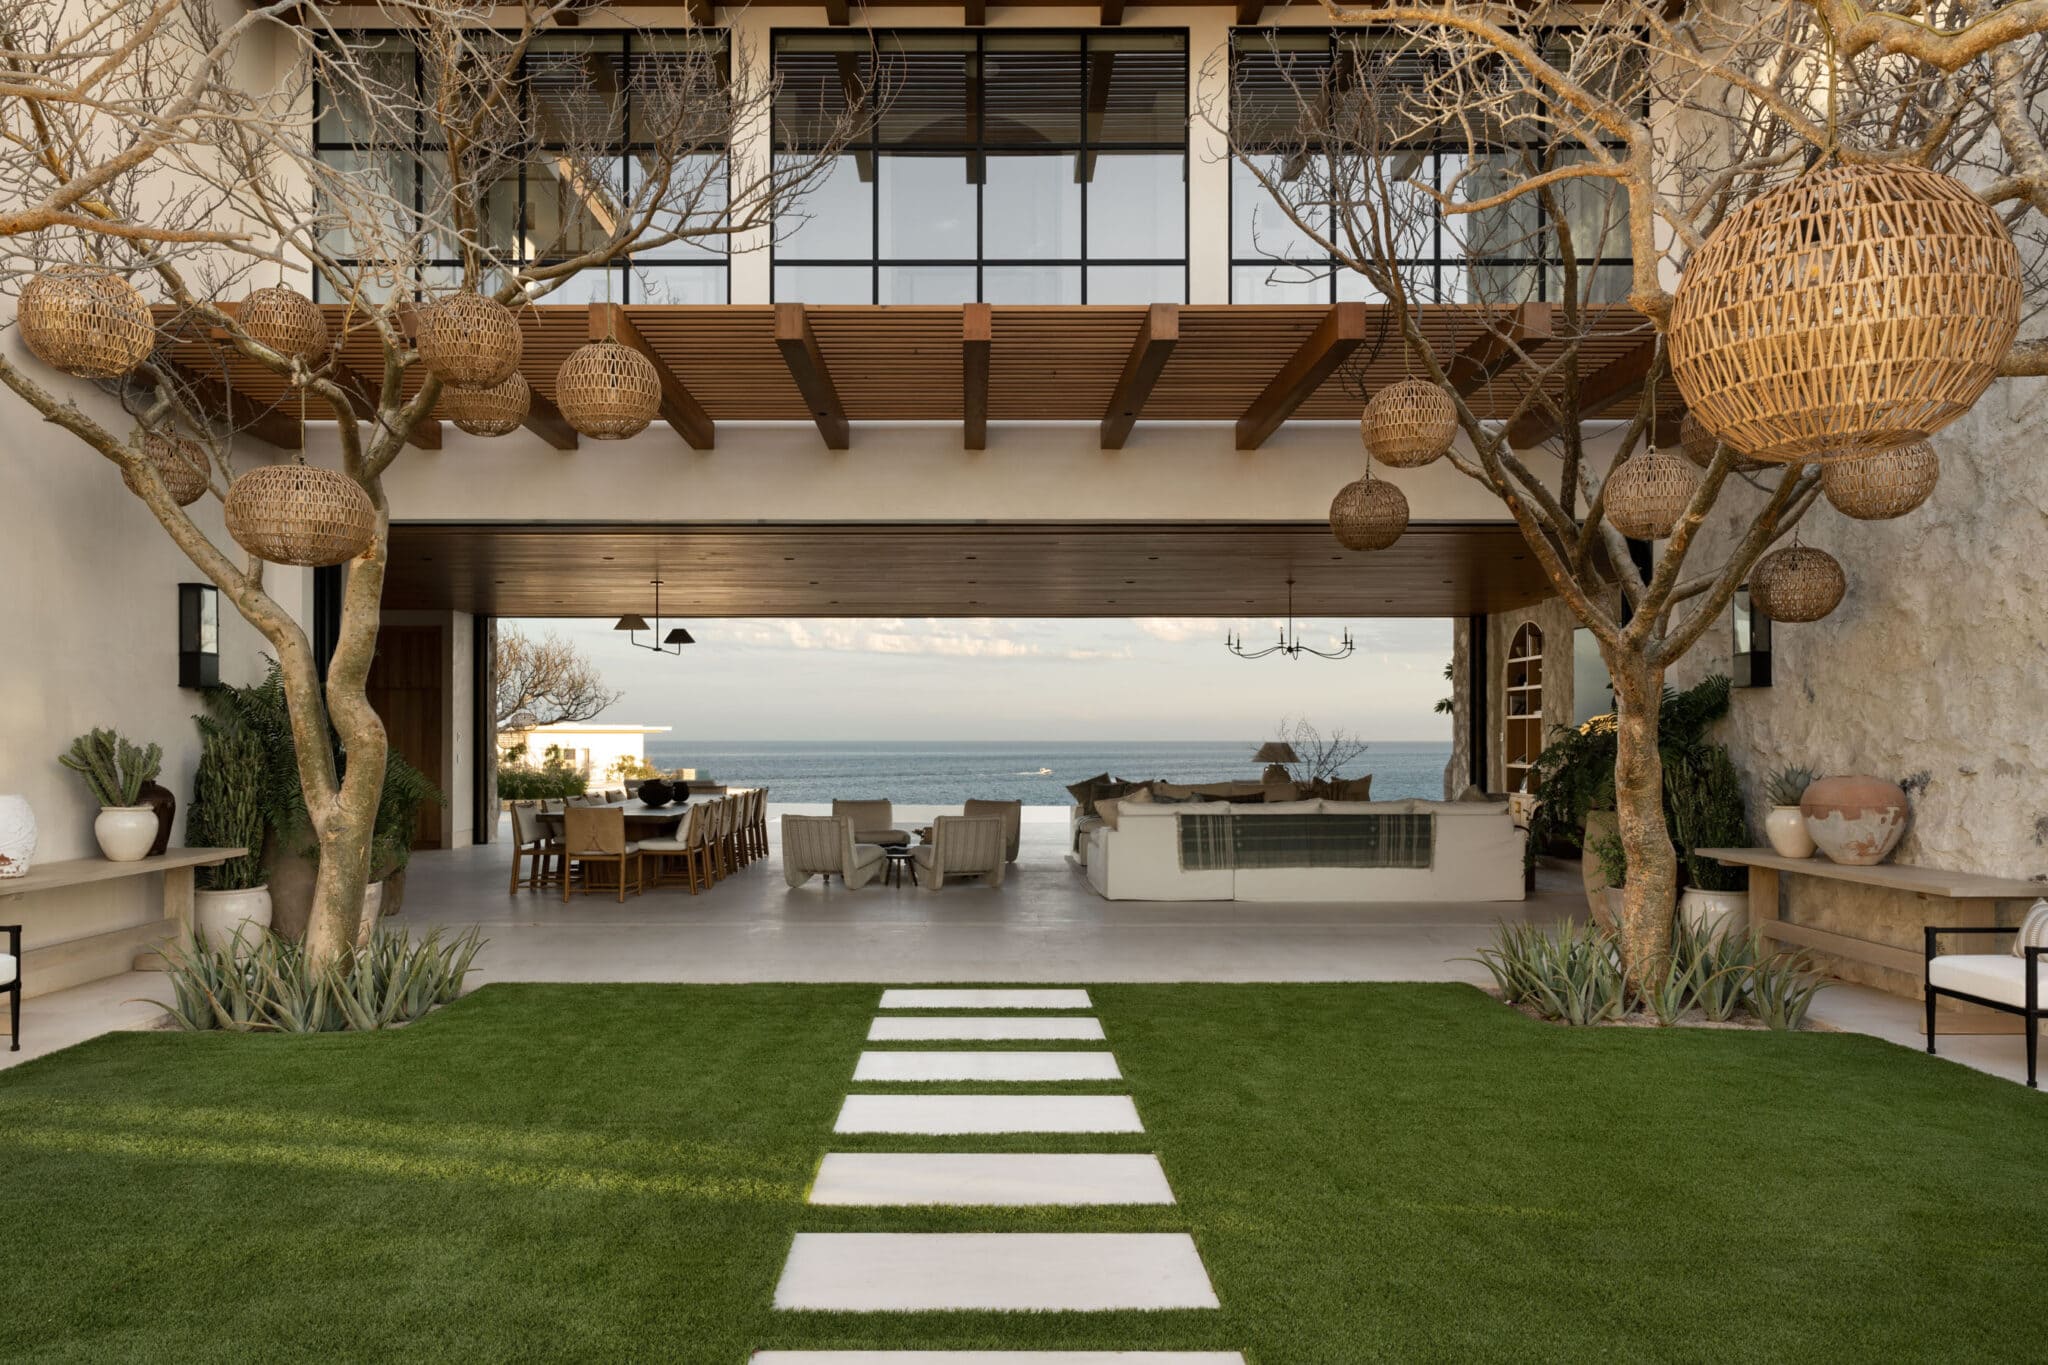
[598,837]
[532,840]
[686,847]
[761,822]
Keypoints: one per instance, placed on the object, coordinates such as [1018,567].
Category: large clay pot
[1855,820]
[160,800]
[1785,827]
[17,836]
[125,832]
[226,916]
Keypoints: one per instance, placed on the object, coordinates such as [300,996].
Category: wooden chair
[595,836]
[760,822]
[686,847]
[531,839]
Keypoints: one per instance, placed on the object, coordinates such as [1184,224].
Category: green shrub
[266,984]
[1571,974]
[554,779]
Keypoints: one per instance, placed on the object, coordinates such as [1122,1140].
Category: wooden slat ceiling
[1046,363]
[998,570]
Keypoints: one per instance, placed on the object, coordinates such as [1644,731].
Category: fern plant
[113,768]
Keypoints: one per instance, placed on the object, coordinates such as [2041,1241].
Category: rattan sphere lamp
[300,514]
[85,321]
[1408,424]
[1368,514]
[1856,309]
[495,411]
[1880,487]
[1647,494]
[607,391]
[179,461]
[1797,584]
[287,322]
[469,341]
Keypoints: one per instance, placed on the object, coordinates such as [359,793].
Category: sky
[1157,678]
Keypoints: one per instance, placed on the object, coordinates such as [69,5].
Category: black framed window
[1507,254]
[580,90]
[1008,167]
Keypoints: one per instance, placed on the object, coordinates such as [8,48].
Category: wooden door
[406,686]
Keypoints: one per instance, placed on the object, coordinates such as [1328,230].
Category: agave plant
[269,984]
[1781,990]
[1571,974]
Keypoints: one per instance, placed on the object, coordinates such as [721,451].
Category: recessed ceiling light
[607,558]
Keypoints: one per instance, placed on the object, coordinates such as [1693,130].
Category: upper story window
[1510,254]
[585,149]
[1008,167]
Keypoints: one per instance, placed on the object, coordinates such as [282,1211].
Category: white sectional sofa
[1313,850]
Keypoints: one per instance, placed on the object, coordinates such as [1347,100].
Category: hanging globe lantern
[85,321]
[1699,445]
[300,514]
[1408,424]
[495,411]
[1647,495]
[1853,310]
[1368,514]
[607,391]
[287,322]
[179,461]
[469,341]
[1880,487]
[1797,584]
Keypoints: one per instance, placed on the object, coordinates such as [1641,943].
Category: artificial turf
[1370,1172]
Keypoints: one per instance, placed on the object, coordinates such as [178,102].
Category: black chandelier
[672,643]
[1290,642]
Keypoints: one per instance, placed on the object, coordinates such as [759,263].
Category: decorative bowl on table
[656,792]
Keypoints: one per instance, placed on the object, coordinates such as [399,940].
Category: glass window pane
[365,198]
[1137,206]
[573,203]
[693,200]
[1137,87]
[824,284]
[1594,217]
[576,88]
[675,89]
[356,113]
[822,80]
[927,208]
[1596,283]
[1279,284]
[591,286]
[1260,227]
[1031,284]
[679,283]
[1512,230]
[834,220]
[1137,284]
[927,284]
[927,90]
[1031,89]
[1031,207]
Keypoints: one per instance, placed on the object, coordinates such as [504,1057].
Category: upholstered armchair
[10,981]
[824,846]
[1011,813]
[961,846]
[874,822]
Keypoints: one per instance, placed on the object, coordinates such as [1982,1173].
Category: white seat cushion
[7,968]
[663,846]
[631,848]
[867,855]
[1993,976]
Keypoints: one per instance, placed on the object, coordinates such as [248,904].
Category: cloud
[969,639]
[1178,629]
[1082,656]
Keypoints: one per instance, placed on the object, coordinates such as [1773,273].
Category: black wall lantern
[1752,653]
[198,635]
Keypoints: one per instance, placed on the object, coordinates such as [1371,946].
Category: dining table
[642,820]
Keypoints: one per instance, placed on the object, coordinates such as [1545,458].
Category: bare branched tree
[1319,756]
[545,680]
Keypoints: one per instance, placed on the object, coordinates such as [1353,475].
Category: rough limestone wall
[1933,672]
[1557,622]
[1456,771]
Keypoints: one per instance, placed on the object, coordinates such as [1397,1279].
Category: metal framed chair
[597,837]
[10,981]
[2010,982]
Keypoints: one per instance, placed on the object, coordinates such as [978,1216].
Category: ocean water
[947,772]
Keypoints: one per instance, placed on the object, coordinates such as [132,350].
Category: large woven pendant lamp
[469,341]
[1797,584]
[1648,493]
[85,321]
[1880,487]
[607,391]
[1368,514]
[1408,424]
[287,322]
[300,514]
[1856,309]
[495,411]
[179,461]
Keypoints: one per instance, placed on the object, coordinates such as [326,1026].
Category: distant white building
[592,749]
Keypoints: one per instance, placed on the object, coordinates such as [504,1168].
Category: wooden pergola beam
[425,433]
[1524,332]
[799,347]
[1151,348]
[838,13]
[1248,12]
[678,407]
[271,423]
[1112,13]
[1612,382]
[976,13]
[977,332]
[1335,337]
[545,420]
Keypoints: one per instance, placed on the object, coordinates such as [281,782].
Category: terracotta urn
[1855,820]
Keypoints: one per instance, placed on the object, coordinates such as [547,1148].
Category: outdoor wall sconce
[198,635]
[1751,663]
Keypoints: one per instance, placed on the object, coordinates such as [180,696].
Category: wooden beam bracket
[679,408]
[1524,332]
[1612,382]
[977,333]
[800,351]
[1339,334]
[1151,348]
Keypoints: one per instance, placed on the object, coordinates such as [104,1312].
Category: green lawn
[1371,1172]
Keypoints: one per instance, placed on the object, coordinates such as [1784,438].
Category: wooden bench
[175,867]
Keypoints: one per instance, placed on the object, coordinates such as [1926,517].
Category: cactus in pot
[115,771]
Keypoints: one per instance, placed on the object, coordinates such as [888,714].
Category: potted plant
[405,790]
[1703,796]
[115,771]
[1785,824]
[1612,860]
[233,900]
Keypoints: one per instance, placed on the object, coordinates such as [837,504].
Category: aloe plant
[269,984]
[1787,785]
[113,768]
[1781,990]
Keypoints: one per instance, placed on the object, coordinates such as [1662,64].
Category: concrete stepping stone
[888,1179]
[947,1114]
[906,1272]
[985,1000]
[998,1358]
[986,1066]
[928,1028]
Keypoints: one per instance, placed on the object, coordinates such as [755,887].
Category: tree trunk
[1652,889]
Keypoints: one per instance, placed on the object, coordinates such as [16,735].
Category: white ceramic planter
[1785,827]
[125,832]
[228,915]
[17,836]
[1720,913]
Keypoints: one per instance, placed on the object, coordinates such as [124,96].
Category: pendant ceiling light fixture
[671,643]
[1290,642]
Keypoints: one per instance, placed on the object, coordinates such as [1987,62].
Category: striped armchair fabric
[962,846]
[823,845]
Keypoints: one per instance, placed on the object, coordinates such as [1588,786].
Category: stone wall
[1557,622]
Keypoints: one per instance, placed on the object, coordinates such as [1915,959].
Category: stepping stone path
[900,1272]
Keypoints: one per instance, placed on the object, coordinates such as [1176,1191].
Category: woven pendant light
[1647,494]
[1797,584]
[469,341]
[1700,444]
[607,391]
[179,461]
[1880,487]
[85,321]
[1855,309]
[300,514]
[287,322]
[495,411]
[1368,514]
[1408,424]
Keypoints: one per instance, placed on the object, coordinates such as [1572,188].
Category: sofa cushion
[1107,809]
[1276,793]
[8,968]
[1083,791]
[1356,789]
[1993,976]
[2033,929]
